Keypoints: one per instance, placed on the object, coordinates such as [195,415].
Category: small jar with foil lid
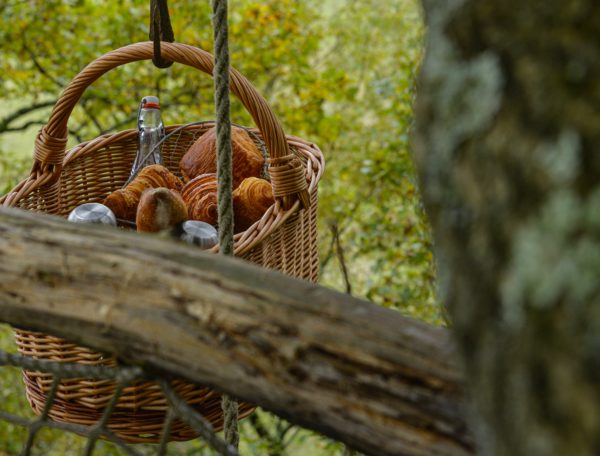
[199,233]
[93,213]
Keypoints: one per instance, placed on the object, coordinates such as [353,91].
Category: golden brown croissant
[123,202]
[200,195]
[159,209]
[201,158]
[250,201]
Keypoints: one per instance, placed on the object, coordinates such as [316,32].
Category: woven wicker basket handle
[287,172]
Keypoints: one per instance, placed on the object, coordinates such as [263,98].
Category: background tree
[508,133]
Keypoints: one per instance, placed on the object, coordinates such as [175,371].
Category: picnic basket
[284,239]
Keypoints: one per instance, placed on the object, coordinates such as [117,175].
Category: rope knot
[288,178]
[49,149]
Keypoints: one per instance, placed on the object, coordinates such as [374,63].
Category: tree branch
[347,223]
[380,382]
[22,127]
[10,118]
[61,84]
[335,234]
[38,65]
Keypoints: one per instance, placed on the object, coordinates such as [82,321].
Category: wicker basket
[283,239]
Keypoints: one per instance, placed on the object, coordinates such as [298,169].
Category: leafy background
[339,73]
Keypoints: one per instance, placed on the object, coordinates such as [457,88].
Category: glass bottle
[150,131]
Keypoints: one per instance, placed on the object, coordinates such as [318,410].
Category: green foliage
[341,74]
[13,167]
[370,193]
[12,398]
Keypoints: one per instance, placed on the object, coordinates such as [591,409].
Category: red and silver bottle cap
[150,102]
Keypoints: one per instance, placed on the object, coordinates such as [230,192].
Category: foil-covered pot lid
[93,213]
[199,233]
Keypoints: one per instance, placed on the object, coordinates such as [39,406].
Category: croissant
[201,158]
[123,202]
[200,195]
[250,201]
[159,209]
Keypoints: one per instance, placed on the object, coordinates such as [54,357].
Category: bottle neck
[149,118]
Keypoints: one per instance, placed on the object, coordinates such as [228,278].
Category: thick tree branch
[365,375]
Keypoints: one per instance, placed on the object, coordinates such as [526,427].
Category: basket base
[144,426]
[140,413]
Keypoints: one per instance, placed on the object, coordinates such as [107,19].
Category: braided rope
[224,172]
[71,370]
[230,420]
[182,410]
[223,126]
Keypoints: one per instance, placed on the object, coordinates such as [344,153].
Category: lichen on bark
[506,147]
[465,94]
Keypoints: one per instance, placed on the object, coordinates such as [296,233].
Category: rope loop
[160,30]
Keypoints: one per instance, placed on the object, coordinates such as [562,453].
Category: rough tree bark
[365,375]
[507,147]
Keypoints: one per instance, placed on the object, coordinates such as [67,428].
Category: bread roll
[123,202]
[250,201]
[201,158]
[200,195]
[159,209]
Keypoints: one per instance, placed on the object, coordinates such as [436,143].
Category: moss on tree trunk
[507,146]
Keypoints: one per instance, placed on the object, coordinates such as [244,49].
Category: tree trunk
[507,147]
[365,375]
